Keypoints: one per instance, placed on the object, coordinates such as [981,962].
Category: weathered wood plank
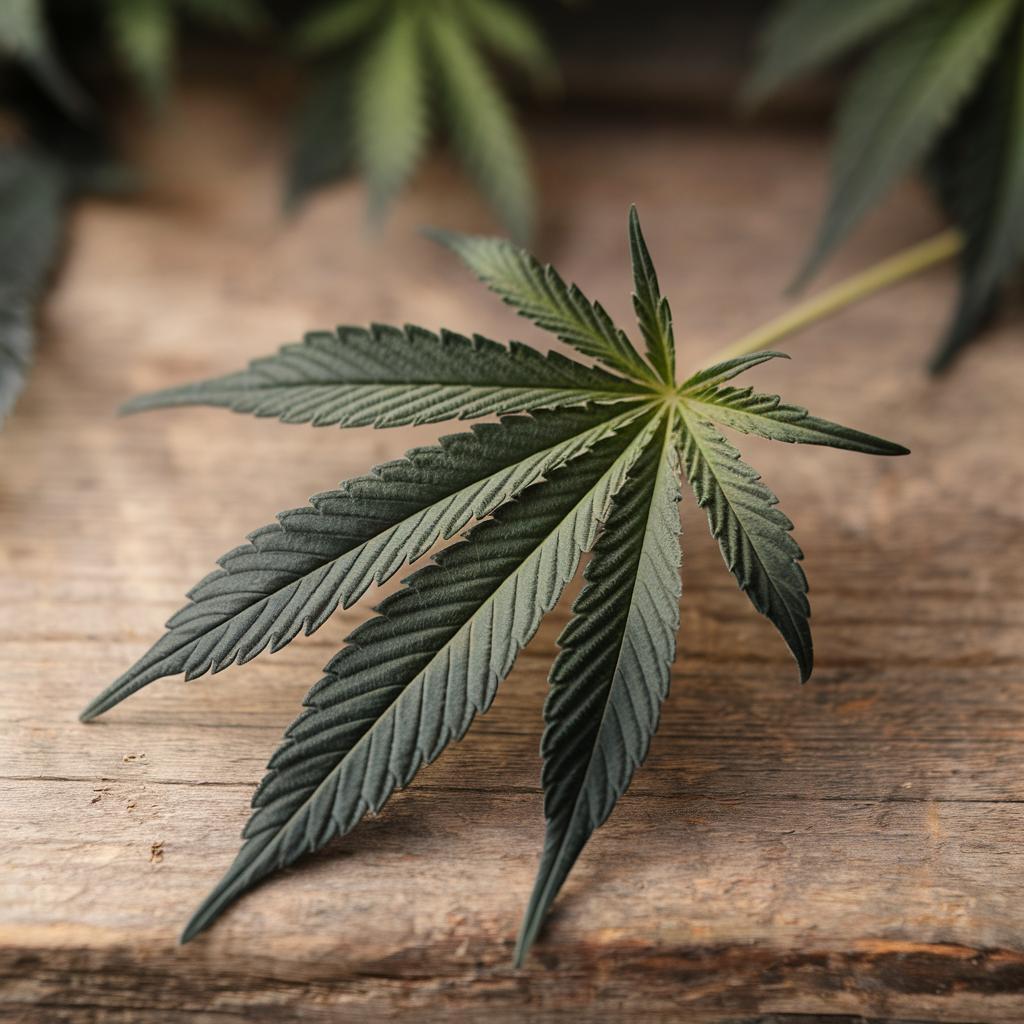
[847,850]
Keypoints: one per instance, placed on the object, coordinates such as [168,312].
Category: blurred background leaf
[938,85]
[406,65]
[33,189]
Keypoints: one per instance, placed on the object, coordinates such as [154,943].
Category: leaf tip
[943,359]
[130,407]
[462,245]
[637,245]
[808,269]
[527,935]
[802,649]
[449,239]
[205,914]
[97,706]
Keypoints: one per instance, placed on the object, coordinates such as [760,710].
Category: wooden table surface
[848,850]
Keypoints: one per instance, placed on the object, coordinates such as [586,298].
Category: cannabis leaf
[939,85]
[978,171]
[591,462]
[370,105]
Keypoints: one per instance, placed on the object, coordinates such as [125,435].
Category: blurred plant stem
[928,253]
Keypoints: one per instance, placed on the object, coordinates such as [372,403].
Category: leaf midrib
[667,424]
[226,384]
[697,404]
[710,463]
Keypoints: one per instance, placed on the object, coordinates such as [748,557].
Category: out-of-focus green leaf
[481,125]
[32,199]
[980,173]
[323,142]
[336,25]
[801,35]
[397,59]
[389,119]
[906,93]
[506,30]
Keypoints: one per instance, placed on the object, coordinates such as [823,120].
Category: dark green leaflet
[33,192]
[322,146]
[752,533]
[939,85]
[294,573]
[144,34]
[980,172]
[768,416]
[652,309]
[507,30]
[539,294]
[412,680]
[719,373]
[387,377]
[337,25]
[612,674]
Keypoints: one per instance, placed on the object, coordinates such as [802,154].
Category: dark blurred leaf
[942,86]
[336,25]
[32,197]
[240,15]
[908,90]
[322,149]
[396,58]
[481,124]
[802,35]
[389,107]
[979,175]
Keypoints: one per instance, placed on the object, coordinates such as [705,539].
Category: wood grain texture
[846,851]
